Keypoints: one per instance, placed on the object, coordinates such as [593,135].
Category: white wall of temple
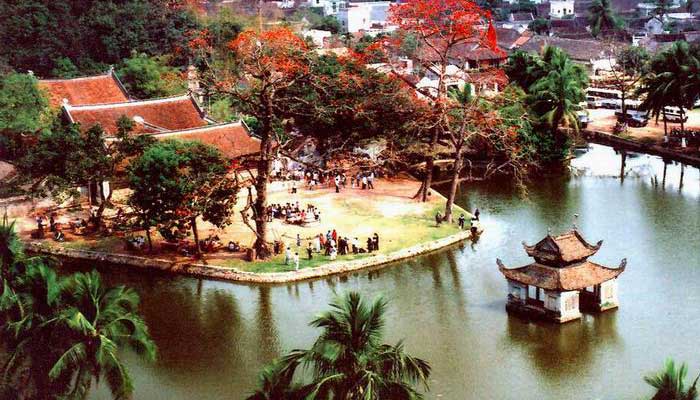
[608,293]
[517,291]
[566,303]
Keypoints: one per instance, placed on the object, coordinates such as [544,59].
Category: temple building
[99,89]
[561,282]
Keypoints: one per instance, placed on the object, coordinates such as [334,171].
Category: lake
[214,337]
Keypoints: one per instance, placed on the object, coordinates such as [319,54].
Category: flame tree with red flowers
[265,69]
[459,118]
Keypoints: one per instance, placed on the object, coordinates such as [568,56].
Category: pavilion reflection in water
[561,282]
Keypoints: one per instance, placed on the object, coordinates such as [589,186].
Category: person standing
[287,255]
[334,253]
[375,245]
[364,182]
[369,245]
[317,243]
[334,235]
[309,251]
[461,221]
[296,261]
[476,214]
[370,180]
[298,240]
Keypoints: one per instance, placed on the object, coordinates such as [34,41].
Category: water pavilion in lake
[561,282]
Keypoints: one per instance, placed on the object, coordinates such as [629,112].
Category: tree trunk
[148,237]
[682,123]
[663,111]
[624,106]
[262,248]
[198,249]
[453,185]
[103,204]
[429,166]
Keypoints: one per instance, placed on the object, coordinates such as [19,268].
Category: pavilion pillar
[608,297]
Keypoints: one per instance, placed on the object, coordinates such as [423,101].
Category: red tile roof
[232,139]
[88,90]
[159,115]
[563,249]
[575,277]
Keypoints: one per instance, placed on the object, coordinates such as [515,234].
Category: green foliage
[670,384]
[38,35]
[348,360]
[555,86]
[327,23]
[64,68]
[221,110]
[67,330]
[223,27]
[176,182]
[23,111]
[602,18]
[540,26]
[146,77]
[673,79]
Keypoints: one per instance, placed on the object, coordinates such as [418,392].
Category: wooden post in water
[623,157]
[680,185]
[663,179]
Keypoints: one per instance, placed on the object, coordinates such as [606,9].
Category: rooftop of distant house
[579,50]
[151,116]
[104,88]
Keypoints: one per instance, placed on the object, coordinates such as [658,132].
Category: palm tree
[275,382]
[555,97]
[602,17]
[95,323]
[670,383]
[10,247]
[348,360]
[672,81]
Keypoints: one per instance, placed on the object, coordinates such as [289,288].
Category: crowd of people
[315,178]
[331,245]
[292,213]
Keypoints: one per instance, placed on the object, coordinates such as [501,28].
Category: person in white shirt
[287,255]
[296,261]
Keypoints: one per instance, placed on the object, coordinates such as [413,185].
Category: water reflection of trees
[194,333]
[561,351]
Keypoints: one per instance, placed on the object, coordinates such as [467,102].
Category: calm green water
[214,337]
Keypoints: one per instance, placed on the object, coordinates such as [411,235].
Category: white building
[330,7]
[369,16]
[317,36]
[561,8]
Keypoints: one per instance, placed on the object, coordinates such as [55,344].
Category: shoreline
[234,275]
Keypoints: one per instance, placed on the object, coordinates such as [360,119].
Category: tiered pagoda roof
[561,264]
[562,250]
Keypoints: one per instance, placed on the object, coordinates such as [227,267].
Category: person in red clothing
[334,235]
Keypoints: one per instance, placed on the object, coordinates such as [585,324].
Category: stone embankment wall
[631,145]
[231,274]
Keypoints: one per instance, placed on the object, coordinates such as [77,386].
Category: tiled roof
[521,16]
[168,114]
[574,277]
[579,50]
[562,249]
[88,90]
[232,139]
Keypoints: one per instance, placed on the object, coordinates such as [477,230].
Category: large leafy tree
[66,158]
[440,29]
[176,181]
[631,65]
[602,18]
[24,113]
[348,360]
[261,81]
[670,384]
